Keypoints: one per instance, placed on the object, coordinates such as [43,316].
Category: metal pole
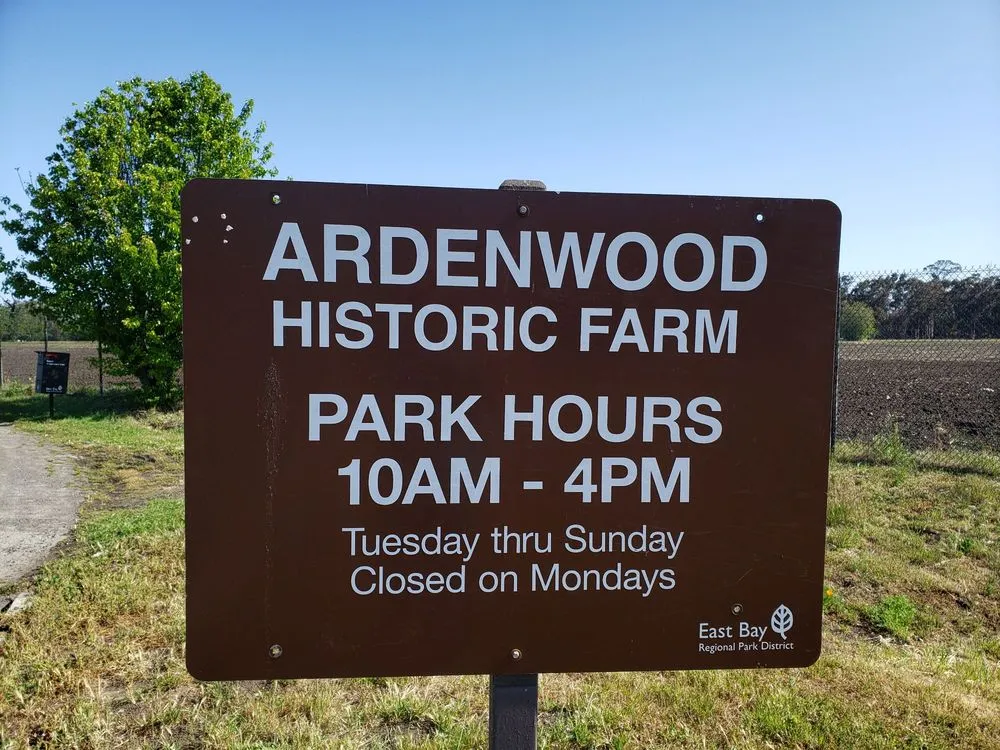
[514,697]
[836,373]
[513,711]
[45,336]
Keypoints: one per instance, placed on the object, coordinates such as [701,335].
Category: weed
[889,448]
[838,513]
[991,647]
[834,604]
[968,546]
[15,389]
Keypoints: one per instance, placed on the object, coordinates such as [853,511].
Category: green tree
[101,237]
[857,321]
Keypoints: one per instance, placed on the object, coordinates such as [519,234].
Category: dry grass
[98,660]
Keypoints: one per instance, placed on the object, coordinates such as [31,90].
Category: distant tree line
[21,321]
[941,302]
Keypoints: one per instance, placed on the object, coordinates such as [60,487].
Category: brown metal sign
[438,431]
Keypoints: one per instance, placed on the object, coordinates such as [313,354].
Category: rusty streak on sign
[435,431]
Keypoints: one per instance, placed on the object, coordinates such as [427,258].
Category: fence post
[836,372]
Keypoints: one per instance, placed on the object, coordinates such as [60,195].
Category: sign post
[513,711]
[504,432]
[514,698]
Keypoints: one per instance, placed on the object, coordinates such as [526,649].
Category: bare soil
[933,404]
[19,360]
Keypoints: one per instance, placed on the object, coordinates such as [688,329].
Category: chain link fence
[919,365]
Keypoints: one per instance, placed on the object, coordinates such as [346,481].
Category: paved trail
[38,502]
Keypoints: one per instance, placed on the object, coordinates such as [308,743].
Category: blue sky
[891,109]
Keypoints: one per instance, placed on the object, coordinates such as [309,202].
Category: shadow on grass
[21,405]
[957,462]
[981,464]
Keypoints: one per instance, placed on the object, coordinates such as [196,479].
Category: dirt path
[38,502]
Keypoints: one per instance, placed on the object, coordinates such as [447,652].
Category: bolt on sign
[444,431]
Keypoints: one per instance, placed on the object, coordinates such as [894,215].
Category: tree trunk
[147,381]
[100,368]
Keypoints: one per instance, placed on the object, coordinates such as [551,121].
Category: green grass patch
[15,389]
[84,420]
[157,517]
[894,615]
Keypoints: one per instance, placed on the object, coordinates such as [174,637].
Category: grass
[893,614]
[128,455]
[911,647]
[887,449]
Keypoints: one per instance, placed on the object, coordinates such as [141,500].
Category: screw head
[737,609]
[275,198]
[523,210]
[516,654]
[275,651]
[759,218]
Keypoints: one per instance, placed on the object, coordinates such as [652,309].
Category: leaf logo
[781,621]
